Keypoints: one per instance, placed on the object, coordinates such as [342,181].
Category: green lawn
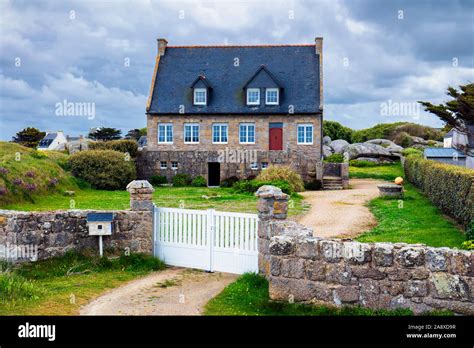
[248,295]
[61,285]
[383,172]
[223,199]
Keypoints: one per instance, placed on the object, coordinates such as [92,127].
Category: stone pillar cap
[140,184]
[267,191]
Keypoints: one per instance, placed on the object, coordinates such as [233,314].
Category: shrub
[313,185]
[158,180]
[38,154]
[180,180]
[129,146]
[335,130]
[411,151]
[229,182]
[449,187]
[102,169]
[335,158]
[199,181]
[251,186]
[362,163]
[283,173]
[403,139]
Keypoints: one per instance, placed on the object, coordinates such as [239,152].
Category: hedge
[122,145]
[449,187]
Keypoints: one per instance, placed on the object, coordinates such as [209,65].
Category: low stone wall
[302,268]
[46,234]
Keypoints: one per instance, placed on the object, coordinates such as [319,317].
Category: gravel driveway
[174,291]
[341,213]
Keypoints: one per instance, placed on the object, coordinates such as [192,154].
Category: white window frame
[196,90]
[173,167]
[220,133]
[277,90]
[305,127]
[165,166]
[166,133]
[264,165]
[254,165]
[192,125]
[258,95]
[246,125]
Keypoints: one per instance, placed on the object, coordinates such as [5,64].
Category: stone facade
[235,158]
[55,232]
[302,268]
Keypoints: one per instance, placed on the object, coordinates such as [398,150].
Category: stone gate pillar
[272,205]
[141,195]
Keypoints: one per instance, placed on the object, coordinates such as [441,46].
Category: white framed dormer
[191,133]
[272,96]
[165,133]
[253,96]
[200,96]
[304,134]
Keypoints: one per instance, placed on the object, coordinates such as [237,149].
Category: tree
[29,137]
[135,134]
[105,134]
[458,112]
[335,131]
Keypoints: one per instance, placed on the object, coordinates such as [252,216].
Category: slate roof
[442,152]
[449,134]
[100,217]
[295,68]
[47,140]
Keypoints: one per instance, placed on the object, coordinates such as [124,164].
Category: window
[200,96]
[272,96]
[264,165]
[253,96]
[174,165]
[99,227]
[163,165]
[165,133]
[219,133]
[254,166]
[191,133]
[247,133]
[305,134]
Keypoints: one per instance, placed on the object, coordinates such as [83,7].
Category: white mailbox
[100,224]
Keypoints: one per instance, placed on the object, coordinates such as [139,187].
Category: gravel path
[174,291]
[341,213]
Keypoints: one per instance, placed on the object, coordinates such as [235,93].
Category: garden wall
[41,235]
[302,268]
[449,187]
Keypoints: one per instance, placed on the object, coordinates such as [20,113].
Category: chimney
[162,46]
[319,51]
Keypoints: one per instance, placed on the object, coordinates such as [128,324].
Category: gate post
[210,237]
[272,205]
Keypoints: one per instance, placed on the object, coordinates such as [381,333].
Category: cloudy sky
[380,57]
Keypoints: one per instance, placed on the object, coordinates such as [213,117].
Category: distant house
[75,144]
[142,141]
[462,142]
[448,139]
[53,141]
[446,155]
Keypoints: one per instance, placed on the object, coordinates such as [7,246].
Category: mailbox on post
[100,224]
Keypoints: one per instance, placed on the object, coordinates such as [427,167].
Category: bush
[199,181]
[335,158]
[158,180]
[403,139]
[102,169]
[251,186]
[313,185]
[284,173]
[335,130]
[411,151]
[229,182]
[449,187]
[122,145]
[180,180]
[362,163]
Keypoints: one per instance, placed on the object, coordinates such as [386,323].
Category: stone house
[222,111]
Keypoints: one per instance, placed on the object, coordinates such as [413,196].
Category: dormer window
[253,96]
[272,96]
[200,96]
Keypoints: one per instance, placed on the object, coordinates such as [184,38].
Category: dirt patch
[341,213]
[174,291]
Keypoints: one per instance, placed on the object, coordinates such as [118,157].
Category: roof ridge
[232,46]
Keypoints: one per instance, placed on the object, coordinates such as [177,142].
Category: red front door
[276,138]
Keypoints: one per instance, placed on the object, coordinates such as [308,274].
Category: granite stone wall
[302,268]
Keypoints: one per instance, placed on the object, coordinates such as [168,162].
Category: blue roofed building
[224,111]
[445,155]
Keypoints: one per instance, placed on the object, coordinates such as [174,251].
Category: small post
[141,195]
[100,246]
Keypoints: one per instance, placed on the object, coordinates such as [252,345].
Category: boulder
[338,145]
[327,151]
[326,140]
[354,151]
[383,142]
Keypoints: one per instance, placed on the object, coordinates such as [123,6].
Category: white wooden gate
[206,239]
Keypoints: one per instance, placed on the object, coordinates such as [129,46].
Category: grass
[413,220]
[384,172]
[224,199]
[60,285]
[248,295]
